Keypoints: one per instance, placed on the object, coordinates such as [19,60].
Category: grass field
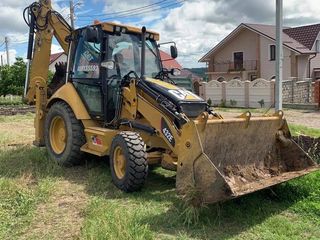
[41,200]
[11,100]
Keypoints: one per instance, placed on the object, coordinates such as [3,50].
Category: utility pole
[279,54]
[1,67]
[6,40]
[72,13]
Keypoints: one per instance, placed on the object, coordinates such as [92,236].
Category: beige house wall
[302,66]
[315,62]
[268,67]
[246,41]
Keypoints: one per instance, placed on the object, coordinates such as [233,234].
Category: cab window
[87,59]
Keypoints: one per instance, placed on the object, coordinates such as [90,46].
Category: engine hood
[186,101]
[173,91]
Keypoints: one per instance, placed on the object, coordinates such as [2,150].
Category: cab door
[119,50]
[85,74]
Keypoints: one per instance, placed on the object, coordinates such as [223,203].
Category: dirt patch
[14,110]
[62,215]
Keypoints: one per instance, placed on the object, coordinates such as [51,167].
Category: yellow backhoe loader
[114,98]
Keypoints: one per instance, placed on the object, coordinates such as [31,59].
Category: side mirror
[108,64]
[92,34]
[174,51]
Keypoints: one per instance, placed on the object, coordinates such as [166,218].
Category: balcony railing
[228,66]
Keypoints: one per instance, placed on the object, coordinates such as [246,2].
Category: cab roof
[111,27]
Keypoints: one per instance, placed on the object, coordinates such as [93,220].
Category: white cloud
[55,48]
[117,6]
[12,56]
[198,25]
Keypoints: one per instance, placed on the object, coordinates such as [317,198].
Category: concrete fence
[258,93]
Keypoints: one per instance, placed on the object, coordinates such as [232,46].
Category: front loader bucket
[227,158]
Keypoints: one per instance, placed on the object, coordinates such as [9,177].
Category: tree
[12,78]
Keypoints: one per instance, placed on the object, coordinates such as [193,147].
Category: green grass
[10,100]
[31,185]
[302,130]
[26,179]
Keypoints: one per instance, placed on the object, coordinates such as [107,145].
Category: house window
[272,52]
[238,61]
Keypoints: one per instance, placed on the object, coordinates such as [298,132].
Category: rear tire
[128,162]
[64,135]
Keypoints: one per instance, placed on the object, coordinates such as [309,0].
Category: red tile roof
[55,56]
[305,35]
[168,62]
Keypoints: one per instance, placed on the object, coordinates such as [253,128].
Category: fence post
[317,92]
[272,91]
[293,81]
[309,89]
[246,94]
[203,90]
[224,91]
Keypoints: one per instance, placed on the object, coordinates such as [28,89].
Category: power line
[125,11]
[176,3]
[147,11]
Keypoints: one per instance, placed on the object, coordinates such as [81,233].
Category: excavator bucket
[227,158]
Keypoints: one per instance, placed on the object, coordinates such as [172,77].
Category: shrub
[261,102]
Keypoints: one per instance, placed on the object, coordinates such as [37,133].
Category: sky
[195,25]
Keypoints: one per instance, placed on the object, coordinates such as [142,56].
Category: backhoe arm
[44,23]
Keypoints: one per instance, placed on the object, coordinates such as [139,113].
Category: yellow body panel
[108,26]
[69,94]
[98,140]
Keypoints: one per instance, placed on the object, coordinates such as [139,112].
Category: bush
[223,103]
[233,103]
[261,102]
[209,102]
[12,78]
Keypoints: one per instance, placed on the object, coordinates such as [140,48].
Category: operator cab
[101,55]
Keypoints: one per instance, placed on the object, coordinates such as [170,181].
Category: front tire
[64,135]
[128,162]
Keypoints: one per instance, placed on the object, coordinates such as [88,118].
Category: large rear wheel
[64,135]
[128,162]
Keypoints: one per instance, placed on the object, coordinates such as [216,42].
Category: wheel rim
[58,135]
[119,162]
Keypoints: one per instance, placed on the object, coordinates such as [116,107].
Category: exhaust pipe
[143,53]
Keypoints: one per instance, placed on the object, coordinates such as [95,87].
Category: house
[56,58]
[249,52]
